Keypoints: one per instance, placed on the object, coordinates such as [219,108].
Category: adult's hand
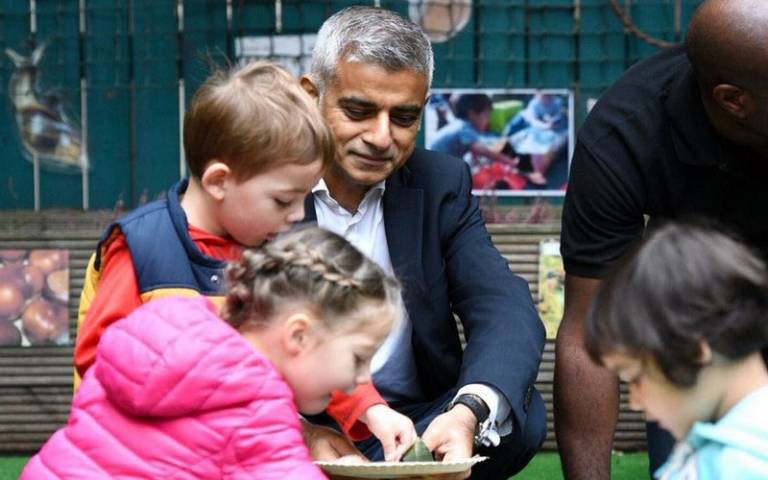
[326,444]
[450,436]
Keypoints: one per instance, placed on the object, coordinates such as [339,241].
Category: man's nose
[379,134]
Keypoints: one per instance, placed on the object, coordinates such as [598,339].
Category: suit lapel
[403,215]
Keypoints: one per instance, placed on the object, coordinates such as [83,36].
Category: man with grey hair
[413,212]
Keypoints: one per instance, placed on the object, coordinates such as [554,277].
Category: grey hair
[371,35]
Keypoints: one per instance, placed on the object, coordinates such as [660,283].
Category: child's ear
[705,353]
[215,178]
[309,85]
[298,335]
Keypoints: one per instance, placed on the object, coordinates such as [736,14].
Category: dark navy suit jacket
[445,259]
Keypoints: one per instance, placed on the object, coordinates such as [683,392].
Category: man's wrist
[475,404]
[464,414]
[485,433]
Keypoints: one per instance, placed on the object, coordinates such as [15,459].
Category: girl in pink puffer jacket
[177,392]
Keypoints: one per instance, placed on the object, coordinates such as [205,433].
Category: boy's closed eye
[282,202]
[631,375]
[363,358]
[360,361]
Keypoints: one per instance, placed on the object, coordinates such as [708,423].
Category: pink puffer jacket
[176,393]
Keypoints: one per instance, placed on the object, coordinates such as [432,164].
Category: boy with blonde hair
[255,144]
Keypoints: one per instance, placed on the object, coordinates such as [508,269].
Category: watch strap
[481,411]
[476,404]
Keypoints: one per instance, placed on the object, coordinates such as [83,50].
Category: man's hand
[394,430]
[450,436]
[326,444]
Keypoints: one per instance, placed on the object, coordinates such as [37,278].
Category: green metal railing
[123,70]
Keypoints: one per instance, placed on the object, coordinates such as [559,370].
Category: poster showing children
[517,142]
[551,286]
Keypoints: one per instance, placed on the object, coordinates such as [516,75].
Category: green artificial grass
[10,467]
[546,466]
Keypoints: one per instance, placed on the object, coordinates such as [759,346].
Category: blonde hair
[314,268]
[252,118]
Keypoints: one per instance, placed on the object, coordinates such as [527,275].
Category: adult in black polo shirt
[683,132]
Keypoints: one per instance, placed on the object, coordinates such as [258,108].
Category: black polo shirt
[647,148]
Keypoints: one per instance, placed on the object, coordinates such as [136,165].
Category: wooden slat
[36,382]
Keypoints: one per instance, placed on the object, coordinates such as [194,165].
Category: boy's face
[480,120]
[674,408]
[264,205]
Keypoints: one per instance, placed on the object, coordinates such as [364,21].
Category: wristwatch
[481,411]
[474,403]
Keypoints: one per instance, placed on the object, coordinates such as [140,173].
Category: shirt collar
[321,191]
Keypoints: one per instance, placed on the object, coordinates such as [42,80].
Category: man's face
[375,115]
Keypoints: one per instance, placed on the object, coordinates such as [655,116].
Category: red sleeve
[347,408]
[117,295]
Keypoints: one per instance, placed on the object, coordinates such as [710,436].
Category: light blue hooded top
[735,447]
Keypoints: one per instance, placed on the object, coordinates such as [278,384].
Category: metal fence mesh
[123,70]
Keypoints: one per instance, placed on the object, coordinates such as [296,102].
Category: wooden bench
[36,382]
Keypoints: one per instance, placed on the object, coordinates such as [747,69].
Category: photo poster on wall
[551,286]
[34,292]
[517,142]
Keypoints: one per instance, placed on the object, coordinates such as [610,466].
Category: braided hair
[309,266]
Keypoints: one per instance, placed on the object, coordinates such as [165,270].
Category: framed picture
[516,142]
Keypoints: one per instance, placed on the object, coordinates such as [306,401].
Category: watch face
[486,435]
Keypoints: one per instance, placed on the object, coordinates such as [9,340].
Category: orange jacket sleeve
[116,296]
[346,409]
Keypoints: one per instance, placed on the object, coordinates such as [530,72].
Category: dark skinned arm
[586,396]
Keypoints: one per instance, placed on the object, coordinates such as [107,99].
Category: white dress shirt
[394,360]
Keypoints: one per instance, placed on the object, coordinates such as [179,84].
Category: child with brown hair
[176,392]
[256,144]
[683,322]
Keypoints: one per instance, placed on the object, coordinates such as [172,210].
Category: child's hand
[394,430]
[326,444]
